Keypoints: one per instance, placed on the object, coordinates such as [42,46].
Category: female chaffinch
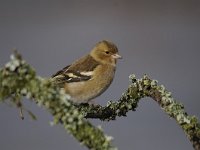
[89,76]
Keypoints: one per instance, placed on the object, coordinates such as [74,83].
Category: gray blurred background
[160,38]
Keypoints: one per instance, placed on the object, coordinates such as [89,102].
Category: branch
[18,79]
[139,89]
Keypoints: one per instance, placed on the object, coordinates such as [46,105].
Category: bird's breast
[84,91]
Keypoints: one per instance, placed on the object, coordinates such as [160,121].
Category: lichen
[18,79]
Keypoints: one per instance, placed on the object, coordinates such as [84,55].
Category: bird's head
[105,52]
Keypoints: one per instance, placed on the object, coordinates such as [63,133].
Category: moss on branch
[145,87]
[18,79]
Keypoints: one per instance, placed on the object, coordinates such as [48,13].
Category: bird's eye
[107,52]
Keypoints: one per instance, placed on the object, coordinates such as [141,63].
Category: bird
[88,77]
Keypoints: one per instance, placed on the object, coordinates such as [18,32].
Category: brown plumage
[91,75]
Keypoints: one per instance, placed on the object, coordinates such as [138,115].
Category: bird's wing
[60,71]
[81,70]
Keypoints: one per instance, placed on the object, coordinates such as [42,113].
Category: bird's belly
[82,92]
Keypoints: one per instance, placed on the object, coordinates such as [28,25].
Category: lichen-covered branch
[18,79]
[146,87]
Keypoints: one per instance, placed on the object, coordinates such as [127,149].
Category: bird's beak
[116,56]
